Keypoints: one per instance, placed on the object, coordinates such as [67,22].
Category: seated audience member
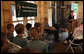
[28,27]
[36,43]
[7,46]
[46,25]
[19,40]
[10,28]
[50,30]
[78,31]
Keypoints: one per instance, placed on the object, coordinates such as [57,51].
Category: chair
[74,45]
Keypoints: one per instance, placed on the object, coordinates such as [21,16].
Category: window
[30,1]
[31,20]
[21,19]
[49,14]
[14,26]
[74,8]
[14,14]
[12,10]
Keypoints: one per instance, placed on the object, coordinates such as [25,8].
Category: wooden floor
[59,47]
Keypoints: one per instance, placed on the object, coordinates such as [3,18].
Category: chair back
[75,38]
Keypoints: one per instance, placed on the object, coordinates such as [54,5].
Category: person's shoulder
[37,41]
[22,39]
[30,43]
[43,43]
[18,38]
[15,39]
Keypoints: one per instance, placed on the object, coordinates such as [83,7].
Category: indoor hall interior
[41,26]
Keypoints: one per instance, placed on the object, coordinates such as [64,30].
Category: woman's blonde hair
[37,24]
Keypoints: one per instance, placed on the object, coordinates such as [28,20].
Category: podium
[74,25]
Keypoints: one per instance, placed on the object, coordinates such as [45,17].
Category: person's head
[71,12]
[19,28]
[37,26]
[10,28]
[45,19]
[28,26]
[18,6]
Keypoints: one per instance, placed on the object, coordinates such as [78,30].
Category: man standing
[70,19]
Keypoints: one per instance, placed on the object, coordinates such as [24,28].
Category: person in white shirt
[78,33]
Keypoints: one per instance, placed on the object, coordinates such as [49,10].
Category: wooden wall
[80,9]
[6,14]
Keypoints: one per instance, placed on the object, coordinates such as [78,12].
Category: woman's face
[71,13]
[39,28]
